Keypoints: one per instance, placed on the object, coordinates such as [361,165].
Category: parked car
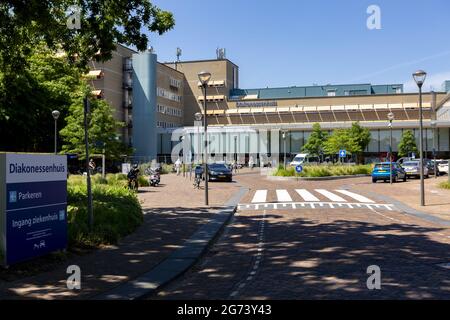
[382,171]
[304,158]
[442,166]
[219,171]
[412,169]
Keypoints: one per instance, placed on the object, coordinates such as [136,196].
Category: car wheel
[374,180]
[394,179]
[404,178]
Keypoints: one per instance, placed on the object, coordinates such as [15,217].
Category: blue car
[382,171]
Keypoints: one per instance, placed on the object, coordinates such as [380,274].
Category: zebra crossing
[311,199]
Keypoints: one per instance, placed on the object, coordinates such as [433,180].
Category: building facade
[165,97]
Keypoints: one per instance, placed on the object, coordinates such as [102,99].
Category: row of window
[170,111]
[166,125]
[175,83]
[168,95]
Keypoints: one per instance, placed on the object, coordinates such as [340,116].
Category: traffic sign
[34,215]
[299,169]
[342,153]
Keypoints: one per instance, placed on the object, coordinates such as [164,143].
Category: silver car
[412,169]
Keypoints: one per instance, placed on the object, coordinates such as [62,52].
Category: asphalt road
[316,240]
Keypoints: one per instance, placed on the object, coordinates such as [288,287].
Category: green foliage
[28,97]
[444,185]
[102,129]
[103,24]
[314,145]
[407,144]
[355,140]
[117,211]
[325,171]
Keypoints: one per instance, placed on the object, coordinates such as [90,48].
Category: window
[175,83]
[357,92]
[331,93]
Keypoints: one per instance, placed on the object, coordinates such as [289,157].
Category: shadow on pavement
[303,259]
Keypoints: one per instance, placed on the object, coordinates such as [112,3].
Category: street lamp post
[56,115]
[204,78]
[433,126]
[283,134]
[419,77]
[198,117]
[391,118]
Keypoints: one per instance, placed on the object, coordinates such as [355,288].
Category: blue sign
[299,169]
[342,153]
[36,206]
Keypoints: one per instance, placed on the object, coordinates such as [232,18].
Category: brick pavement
[173,212]
[319,254]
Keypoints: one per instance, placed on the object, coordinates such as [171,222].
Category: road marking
[283,196]
[317,205]
[260,196]
[356,196]
[306,195]
[330,195]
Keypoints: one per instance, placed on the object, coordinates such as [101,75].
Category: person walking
[92,166]
[178,166]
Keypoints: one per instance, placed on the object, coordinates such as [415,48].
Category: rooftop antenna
[221,53]
[179,52]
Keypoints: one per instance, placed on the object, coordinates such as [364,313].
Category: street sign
[299,169]
[342,153]
[33,215]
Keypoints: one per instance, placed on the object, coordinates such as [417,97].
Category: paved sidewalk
[173,213]
[437,200]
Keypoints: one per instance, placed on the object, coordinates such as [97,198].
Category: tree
[103,24]
[102,128]
[407,144]
[361,137]
[341,140]
[315,143]
[28,98]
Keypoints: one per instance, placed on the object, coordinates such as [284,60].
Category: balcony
[128,84]
[128,105]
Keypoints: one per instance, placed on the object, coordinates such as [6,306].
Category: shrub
[117,211]
[324,171]
[444,185]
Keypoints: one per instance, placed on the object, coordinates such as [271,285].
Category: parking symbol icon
[12,196]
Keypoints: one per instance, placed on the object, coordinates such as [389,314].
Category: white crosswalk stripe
[356,196]
[306,195]
[331,196]
[283,196]
[260,196]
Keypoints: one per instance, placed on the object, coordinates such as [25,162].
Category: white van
[304,158]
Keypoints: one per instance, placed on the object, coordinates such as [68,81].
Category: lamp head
[56,114]
[419,77]
[391,116]
[198,116]
[204,77]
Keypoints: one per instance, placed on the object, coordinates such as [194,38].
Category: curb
[275,178]
[179,261]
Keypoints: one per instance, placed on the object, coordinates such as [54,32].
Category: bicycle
[197,182]
[133,184]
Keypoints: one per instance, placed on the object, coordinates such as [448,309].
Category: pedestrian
[91,166]
[178,166]
[251,163]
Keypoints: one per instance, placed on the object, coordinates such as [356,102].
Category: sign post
[33,206]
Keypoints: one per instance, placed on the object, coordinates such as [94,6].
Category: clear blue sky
[299,42]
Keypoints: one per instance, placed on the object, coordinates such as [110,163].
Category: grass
[324,171]
[117,211]
[444,185]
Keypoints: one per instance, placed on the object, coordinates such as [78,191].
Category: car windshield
[299,159]
[411,163]
[443,162]
[218,167]
[382,166]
